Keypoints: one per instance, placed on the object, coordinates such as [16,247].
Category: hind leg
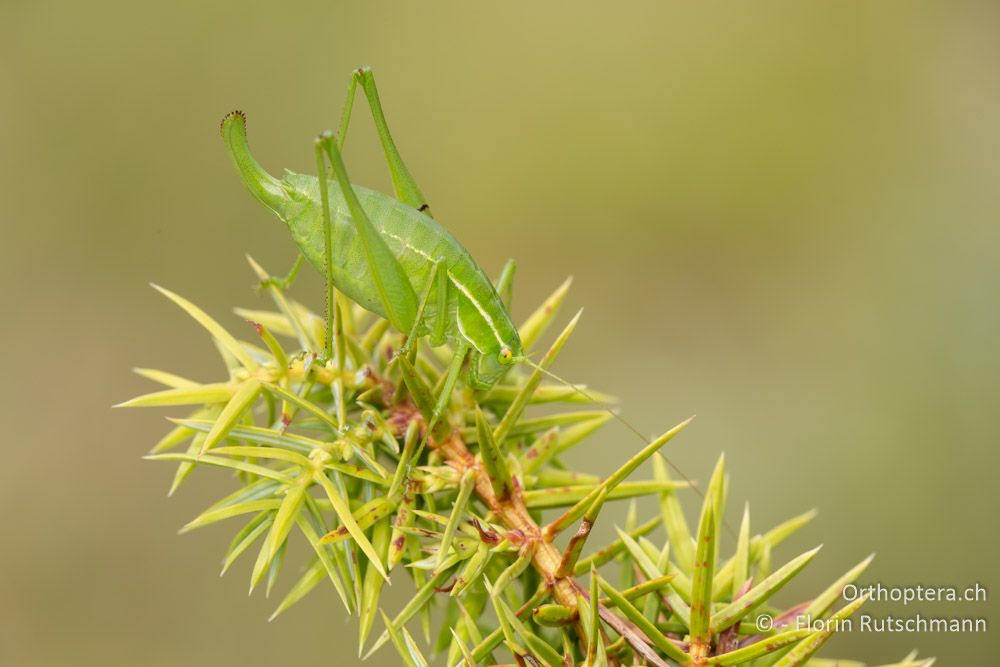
[395,292]
[403,182]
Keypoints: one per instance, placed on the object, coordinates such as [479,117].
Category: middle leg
[392,285]
[437,284]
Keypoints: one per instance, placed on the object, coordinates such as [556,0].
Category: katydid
[388,254]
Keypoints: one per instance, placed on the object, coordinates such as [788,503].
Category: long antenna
[614,413]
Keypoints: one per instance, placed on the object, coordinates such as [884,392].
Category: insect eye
[506,355]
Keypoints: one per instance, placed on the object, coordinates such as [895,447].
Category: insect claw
[280,283]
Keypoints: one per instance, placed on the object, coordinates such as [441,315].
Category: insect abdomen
[416,241]
[473,310]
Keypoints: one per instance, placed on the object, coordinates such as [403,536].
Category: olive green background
[782,217]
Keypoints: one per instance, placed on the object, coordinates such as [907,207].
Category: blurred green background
[781,216]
